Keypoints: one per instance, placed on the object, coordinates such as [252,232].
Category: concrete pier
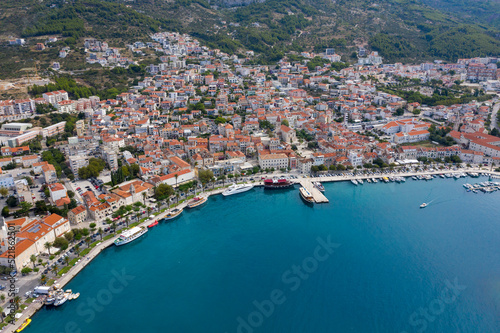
[317,195]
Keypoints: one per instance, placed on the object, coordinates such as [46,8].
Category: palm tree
[47,246]
[2,297]
[43,279]
[77,249]
[100,232]
[66,260]
[176,177]
[144,197]
[55,269]
[88,240]
[33,259]
[17,301]
[113,226]
[126,221]
[149,210]
[177,196]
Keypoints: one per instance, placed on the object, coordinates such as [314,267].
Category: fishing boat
[24,325]
[155,223]
[173,213]
[354,181]
[237,188]
[306,196]
[368,180]
[50,300]
[196,201]
[61,299]
[423,205]
[130,235]
[319,186]
[280,183]
[385,179]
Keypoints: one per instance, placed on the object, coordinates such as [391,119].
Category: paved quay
[94,252]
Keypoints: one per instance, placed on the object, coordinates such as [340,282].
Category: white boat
[173,214]
[237,188]
[319,186]
[360,181]
[368,180]
[374,180]
[130,235]
[306,196]
[61,299]
[354,181]
[423,205]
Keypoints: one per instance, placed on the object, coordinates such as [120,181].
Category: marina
[175,212]
[201,239]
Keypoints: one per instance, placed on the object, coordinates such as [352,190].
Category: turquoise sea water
[257,262]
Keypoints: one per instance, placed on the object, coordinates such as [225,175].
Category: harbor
[260,228]
[306,182]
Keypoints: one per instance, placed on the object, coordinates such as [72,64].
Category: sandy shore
[94,252]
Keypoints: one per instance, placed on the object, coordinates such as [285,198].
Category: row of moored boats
[486,187]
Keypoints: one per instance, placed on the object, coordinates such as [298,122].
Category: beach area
[101,246]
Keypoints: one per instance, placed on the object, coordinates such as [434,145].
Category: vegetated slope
[401,30]
[479,11]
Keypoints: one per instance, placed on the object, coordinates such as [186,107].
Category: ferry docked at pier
[306,196]
[277,183]
[173,213]
[319,186]
[130,235]
[196,201]
[237,188]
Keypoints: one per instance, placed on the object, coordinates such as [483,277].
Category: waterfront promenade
[62,281]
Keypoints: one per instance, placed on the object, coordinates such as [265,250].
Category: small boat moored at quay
[154,224]
[173,213]
[319,186]
[129,235]
[237,188]
[24,325]
[360,181]
[196,201]
[354,181]
[306,196]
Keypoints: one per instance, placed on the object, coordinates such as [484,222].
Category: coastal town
[79,174]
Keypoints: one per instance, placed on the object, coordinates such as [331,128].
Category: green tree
[33,260]
[4,192]
[47,246]
[5,211]
[205,176]
[163,191]
[285,122]
[61,243]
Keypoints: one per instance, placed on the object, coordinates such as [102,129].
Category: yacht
[319,186]
[196,201]
[173,213]
[237,188]
[354,181]
[129,235]
[423,205]
[306,196]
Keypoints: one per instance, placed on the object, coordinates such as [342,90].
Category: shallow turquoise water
[219,267]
